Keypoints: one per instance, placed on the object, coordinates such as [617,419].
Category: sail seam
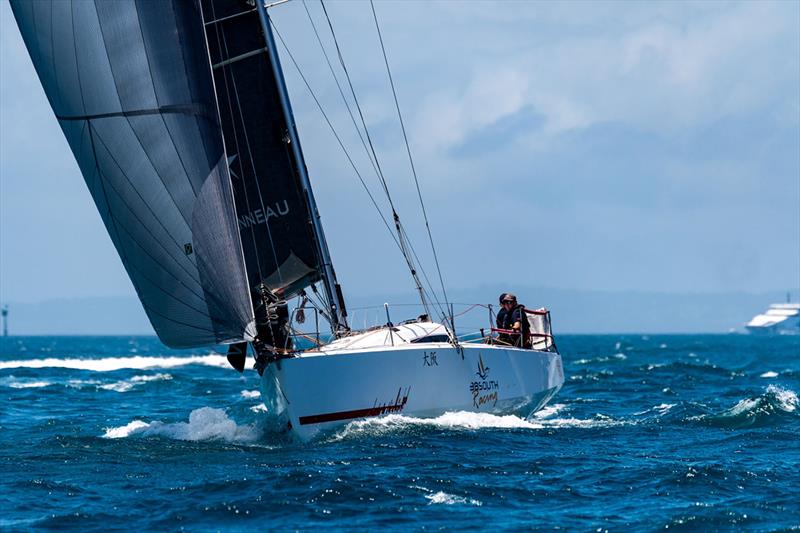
[136,133]
[163,120]
[182,109]
[143,225]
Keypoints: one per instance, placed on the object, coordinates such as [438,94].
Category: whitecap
[109,364]
[119,386]
[126,385]
[786,399]
[450,499]
[125,431]
[548,411]
[205,424]
[151,377]
[29,384]
[260,408]
[16,383]
[769,374]
[660,409]
[251,394]
[599,421]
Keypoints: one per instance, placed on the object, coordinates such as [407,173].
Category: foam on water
[449,499]
[549,411]
[768,408]
[109,364]
[15,383]
[769,374]
[130,384]
[205,424]
[689,441]
[465,420]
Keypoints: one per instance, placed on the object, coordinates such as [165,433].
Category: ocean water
[649,433]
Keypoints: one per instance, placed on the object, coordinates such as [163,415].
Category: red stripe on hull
[378,410]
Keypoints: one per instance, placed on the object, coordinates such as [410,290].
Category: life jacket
[507,319]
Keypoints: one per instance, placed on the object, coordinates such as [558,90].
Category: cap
[508,297]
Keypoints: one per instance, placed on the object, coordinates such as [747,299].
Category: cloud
[665,73]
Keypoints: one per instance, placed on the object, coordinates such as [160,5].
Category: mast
[333,292]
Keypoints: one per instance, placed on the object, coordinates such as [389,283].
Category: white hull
[780,319]
[320,391]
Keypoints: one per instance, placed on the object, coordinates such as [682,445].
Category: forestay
[131,87]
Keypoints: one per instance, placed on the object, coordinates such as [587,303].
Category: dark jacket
[507,319]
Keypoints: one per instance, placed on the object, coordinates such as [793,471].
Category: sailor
[272,340]
[512,317]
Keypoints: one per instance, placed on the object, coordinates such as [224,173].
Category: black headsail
[129,83]
[178,116]
[283,243]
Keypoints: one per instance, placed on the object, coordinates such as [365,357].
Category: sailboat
[179,117]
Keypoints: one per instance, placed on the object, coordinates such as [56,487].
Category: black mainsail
[277,234]
[173,110]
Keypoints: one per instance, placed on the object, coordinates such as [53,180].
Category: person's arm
[517,318]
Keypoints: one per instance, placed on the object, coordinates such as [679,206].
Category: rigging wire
[404,241]
[401,239]
[336,135]
[408,151]
[339,86]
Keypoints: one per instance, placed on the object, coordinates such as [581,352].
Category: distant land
[573,311]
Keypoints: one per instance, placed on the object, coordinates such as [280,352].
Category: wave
[130,384]
[466,420]
[15,383]
[603,359]
[767,409]
[687,367]
[109,364]
[205,424]
[450,499]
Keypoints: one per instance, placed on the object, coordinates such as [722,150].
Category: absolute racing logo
[484,391]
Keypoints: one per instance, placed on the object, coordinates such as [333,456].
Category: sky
[620,146]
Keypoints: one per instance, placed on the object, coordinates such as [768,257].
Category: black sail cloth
[130,84]
[273,215]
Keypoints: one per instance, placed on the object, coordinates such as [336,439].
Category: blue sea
[677,432]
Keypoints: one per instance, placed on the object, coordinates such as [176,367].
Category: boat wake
[205,424]
[772,407]
[109,364]
[465,420]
